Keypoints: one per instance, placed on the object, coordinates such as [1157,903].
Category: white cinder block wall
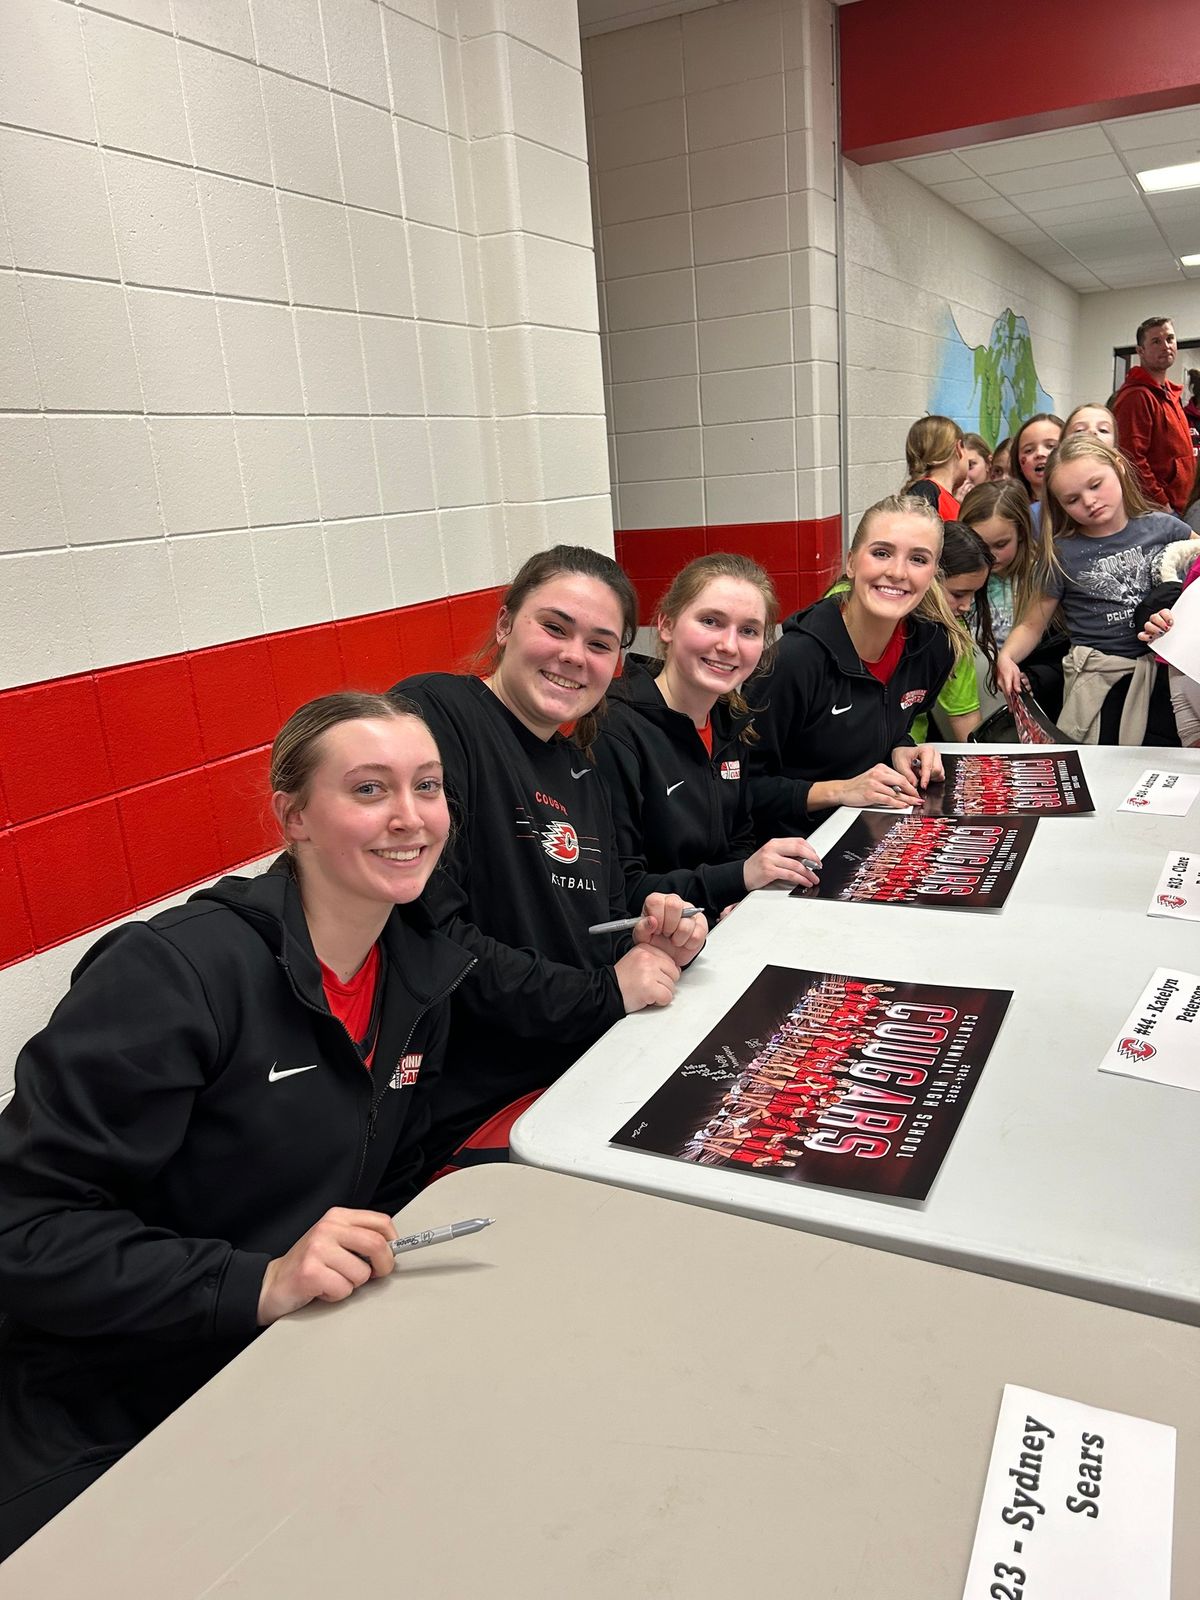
[910,257]
[294,294]
[713,145]
[298,321]
[1110,321]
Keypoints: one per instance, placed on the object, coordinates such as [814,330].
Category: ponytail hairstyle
[1006,500]
[964,551]
[686,588]
[1014,454]
[931,443]
[933,605]
[1061,525]
[576,559]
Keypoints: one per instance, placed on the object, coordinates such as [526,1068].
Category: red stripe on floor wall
[125,785]
[803,558]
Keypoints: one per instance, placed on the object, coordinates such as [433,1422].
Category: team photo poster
[820,1077]
[1050,785]
[959,864]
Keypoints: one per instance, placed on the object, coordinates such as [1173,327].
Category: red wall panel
[917,76]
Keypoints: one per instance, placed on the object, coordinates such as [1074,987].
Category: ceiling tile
[960,189]
[1163,155]
[1161,127]
[1059,174]
[1129,207]
[1039,149]
[935,169]
[989,211]
[1077,194]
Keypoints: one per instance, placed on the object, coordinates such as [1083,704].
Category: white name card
[1160,1042]
[1078,1504]
[1177,892]
[1162,794]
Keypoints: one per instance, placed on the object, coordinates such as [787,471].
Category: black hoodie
[824,716]
[682,816]
[532,864]
[191,1109]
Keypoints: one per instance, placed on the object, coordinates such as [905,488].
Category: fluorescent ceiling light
[1158,180]
[1190,261]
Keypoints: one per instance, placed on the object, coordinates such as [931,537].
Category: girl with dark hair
[674,742]
[1031,447]
[963,574]
[534,861]
[851,674]
[219,1119]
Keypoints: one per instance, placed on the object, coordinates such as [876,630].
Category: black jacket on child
[824,716]
[533,862]
[682,816]
[191,1109]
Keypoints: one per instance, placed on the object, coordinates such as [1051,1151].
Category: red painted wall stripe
[803,557]
[125,785]
[917,77]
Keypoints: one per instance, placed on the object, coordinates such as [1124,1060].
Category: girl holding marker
[851,674]
[1103,552]
[675,743]
[218,1120]
[534,861]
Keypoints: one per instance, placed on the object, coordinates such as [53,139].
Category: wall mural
[989,389]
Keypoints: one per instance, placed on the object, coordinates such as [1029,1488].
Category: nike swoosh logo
[582,773]
[837,710]
[671,787]
[288,1072]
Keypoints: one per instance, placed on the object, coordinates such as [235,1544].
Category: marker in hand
[624,924]
[418,1241]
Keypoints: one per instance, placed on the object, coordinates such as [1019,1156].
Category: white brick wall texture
[269,272]
[713,146]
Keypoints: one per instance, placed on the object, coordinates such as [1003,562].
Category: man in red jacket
[1151,426]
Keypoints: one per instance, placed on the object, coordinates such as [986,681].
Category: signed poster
[821,1077]
[958,863]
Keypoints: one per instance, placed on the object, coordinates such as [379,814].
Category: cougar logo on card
[560,841]
[1135,800]
[1135,1049]
[914,697]
[406,1071]
[1173,902]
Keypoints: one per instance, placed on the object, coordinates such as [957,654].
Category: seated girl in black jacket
[851,673]
[674,747]
[534,863]
[218,1120]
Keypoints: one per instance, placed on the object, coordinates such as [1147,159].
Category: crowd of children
[425,957]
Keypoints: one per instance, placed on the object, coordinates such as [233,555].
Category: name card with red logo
[1160,1042]
[1079,1504]
[1177,893]
[1162,794]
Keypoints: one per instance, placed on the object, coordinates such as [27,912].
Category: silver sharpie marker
[623,924]
[418,1241]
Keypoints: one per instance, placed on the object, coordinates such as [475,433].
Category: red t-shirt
[890,659]
[705,734]
[353,1002]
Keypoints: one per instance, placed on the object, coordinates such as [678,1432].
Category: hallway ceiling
[1070,201]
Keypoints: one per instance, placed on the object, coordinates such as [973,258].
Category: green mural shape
[990,389]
